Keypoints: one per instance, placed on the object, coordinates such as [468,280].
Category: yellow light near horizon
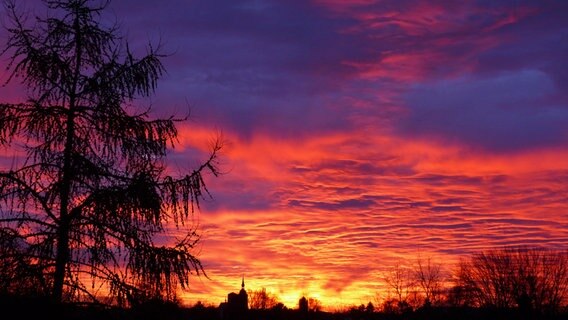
[290,299]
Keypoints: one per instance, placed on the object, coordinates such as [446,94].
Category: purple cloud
[505,112]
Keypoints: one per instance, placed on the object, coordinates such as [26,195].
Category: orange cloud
[343,208]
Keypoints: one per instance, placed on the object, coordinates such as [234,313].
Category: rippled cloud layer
[363,133]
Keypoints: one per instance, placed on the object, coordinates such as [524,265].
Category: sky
[361,134]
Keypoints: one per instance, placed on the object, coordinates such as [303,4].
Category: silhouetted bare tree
[314,305]
[429,278]
[401,281]
[262,300]
[460,295]
[89,190]
[528,278]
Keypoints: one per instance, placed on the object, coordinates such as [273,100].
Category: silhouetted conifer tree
[89,190]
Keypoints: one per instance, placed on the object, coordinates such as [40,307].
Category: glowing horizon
[442,205]
[360,134]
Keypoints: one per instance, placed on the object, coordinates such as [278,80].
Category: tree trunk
[63,250]
[62,255]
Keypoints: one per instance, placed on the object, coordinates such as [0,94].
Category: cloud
[360,133]
[502,113]
[344,219]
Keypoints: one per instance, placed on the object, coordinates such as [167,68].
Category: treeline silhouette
[508,283]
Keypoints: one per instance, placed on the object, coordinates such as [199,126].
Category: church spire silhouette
[243,292]
[236,306]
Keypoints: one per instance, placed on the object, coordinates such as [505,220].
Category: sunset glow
[360,134]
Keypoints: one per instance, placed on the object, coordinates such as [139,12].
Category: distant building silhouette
[236,306]
[303,305]
[303,308]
